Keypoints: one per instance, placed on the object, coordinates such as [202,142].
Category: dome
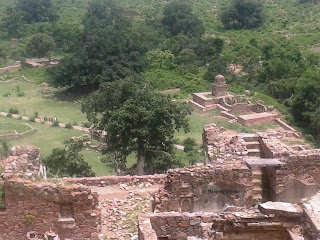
[219,79]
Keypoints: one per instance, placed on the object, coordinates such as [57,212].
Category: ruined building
[262,186]
[252,186]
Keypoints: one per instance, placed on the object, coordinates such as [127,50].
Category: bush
[9,115]
[55,124]
[13,111]
[86,124]
[20,94]
[68,125]
[32,119]
[36,114]
[189,143]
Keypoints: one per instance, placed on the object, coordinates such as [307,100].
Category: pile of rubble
[120,216]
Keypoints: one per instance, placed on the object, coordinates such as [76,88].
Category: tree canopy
[178,18]
[39,45]
[243,14]
[105,51]
[136,118]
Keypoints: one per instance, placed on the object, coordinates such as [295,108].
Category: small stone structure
[11,69]
[229,104]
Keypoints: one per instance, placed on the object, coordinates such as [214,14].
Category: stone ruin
[229,104]
[250,187]
[39,209]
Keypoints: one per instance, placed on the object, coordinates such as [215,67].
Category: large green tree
[178,18]
[40,45]
[107,50]
[136,119]
[243,14]
[36,10]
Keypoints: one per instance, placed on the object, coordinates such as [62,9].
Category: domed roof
[219,79]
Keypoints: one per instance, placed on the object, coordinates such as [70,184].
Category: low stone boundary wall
[114,180]
[17,135]
[228,115]
[284,125]
[11,69]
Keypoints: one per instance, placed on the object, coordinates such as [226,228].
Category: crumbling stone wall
[238,224]
[114,180]
[71,211]
[33,204]
[299,177]
[204,189]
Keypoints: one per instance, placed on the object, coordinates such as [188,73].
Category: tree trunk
[140,162]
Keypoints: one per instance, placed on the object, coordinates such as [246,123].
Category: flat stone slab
[281,209]
[257,118]
[312,209]
[257,115]
[263,162]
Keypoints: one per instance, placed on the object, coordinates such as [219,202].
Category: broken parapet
[24,162]
[116,180]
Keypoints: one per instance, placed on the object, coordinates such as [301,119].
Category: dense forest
[172,44]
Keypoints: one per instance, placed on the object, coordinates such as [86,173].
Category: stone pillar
[219,87]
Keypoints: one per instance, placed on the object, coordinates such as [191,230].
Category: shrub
[86,124]
[189,143]
[68,125]
[20,94]
[13,111]
[55,124]
[29,219]
[32,119]
[36,114]
[9,115]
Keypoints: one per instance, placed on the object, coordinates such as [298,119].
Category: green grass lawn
[10,127]
[46,138]
[33,100]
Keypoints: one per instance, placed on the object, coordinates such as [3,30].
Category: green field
[46,138]
[33,100]
[10,127]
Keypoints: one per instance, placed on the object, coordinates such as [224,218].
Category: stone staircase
[252,144]
[256,186]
